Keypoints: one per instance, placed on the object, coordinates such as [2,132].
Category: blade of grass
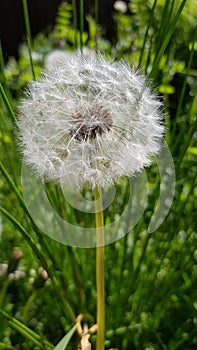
[2,66]
[81,22]
[28,33]
[149,55]
[23,205]
[165,21]
[5,91]
[62,345]
[75,21]
[96,11]
[13,186]
[6,347]
[27,332]
[182,94]
[146,34]
[29,239]
[186,144]
[3,290]
[7,103]
[40,258]
[7,144]
[166,40]
[25,235]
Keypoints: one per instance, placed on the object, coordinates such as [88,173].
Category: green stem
[2,65]
[74,8]
[96,7]
[28,305]
[7,103]
[25,331]
[100,269]
[3,290]
[146,34]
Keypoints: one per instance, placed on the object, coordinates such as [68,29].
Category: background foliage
[151,279]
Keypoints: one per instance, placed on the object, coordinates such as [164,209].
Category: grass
[150,278]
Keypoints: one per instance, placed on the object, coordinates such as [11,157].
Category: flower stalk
[100,269]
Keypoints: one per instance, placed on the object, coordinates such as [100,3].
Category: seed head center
[90,123]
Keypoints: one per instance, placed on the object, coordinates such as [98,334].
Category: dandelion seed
[89,121]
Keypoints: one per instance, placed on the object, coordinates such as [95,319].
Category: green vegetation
[150,278]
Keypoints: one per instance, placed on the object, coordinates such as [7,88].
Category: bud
[14,260]
[41,278]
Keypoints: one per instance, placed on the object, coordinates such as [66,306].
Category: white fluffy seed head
[120,6]
[89,121]
[56,57]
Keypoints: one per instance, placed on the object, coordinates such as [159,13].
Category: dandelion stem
[100,269]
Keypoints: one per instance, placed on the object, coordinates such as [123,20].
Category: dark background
[42,15]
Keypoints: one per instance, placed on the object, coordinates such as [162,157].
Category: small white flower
[3,269]
[89,121]
[120,6]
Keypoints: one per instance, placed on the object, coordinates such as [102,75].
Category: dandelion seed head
[120,6]
[89,121]
[92,122]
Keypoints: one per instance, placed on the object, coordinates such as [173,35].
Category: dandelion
[89,121]
[120,6]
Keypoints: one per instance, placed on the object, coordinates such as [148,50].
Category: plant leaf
[25,331]
[4,346]
[62,345]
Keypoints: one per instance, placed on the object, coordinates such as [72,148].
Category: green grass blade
[28,33]
[96,11]
[165,20]
[178,139]
[146,34]
[74,9]
[29,240]
[2,66]
[186,76]
[7,103]
[62,345]
[81,22]
[12,185]
[6,347]
[41,259]
[25,331]
[186,144]
[25,235]
[166,40]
